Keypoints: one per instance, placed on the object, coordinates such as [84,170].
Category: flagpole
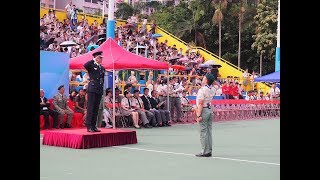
[110,34]
[277,63]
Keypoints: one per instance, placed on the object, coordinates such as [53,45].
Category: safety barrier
[226,110]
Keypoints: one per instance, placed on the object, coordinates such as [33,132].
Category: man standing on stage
[95,90]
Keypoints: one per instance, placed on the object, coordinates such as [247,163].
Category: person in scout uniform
[204,114]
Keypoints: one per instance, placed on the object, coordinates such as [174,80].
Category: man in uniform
[204,114]
[95,89]
[60,103]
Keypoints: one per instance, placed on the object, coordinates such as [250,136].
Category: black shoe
[204,155]
[147,126]
[61,126]
[67,125]
[95,129]
[178,120]
[90,130]
[167,123]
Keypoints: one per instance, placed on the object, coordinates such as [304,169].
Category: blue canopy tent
[272,77]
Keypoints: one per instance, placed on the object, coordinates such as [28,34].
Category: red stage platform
[81,139]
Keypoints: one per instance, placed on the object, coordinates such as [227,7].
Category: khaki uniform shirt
[205,93]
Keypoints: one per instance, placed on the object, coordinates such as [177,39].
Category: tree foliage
[266,32]
[124,11]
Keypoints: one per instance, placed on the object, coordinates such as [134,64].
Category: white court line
[166,152]
[231,159]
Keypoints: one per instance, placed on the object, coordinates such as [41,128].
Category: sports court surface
[242,150]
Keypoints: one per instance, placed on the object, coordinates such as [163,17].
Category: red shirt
[234,90]
[225,89]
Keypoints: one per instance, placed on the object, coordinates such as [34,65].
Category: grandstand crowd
[149,109]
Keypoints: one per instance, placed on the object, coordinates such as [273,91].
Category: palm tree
[241,12]
[218,17]
[189,25]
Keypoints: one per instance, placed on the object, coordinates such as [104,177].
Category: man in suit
[95,89]
[60,102]
[156,118]
[155,104]
[46,111]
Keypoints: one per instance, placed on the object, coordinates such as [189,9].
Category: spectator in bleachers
[132,79]
[143,29]
[267,96]
[225,90]
[60,102]
[274,92]
[240,90]
[153,27]
[45,110]
[234,90]
[261,96]
[245,77]
[150,86]
[68,9]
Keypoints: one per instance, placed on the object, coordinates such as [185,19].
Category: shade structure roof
[272,77]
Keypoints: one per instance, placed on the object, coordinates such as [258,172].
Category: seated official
[107,113]
[46,111]
[159,105]
[60,102]
[81,103]
[137,104]
[156,119]
[126,105]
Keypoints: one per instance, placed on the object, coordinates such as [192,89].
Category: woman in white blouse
[127,110]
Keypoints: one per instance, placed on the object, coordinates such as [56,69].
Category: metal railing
[201,48]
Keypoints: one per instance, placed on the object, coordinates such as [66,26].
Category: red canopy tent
[122,59]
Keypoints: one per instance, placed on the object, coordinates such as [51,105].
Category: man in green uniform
[204,114]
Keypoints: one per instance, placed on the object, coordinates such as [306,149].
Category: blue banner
[54,71]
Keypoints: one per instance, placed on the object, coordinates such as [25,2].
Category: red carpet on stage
[81,139]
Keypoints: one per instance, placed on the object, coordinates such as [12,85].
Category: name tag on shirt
[44,108]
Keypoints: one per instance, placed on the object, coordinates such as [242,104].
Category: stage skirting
[81,139]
